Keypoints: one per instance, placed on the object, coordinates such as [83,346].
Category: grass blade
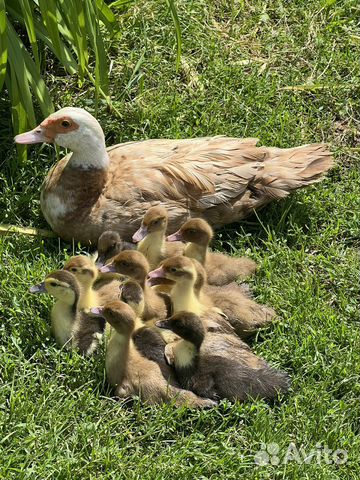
[27,15]
[3,43]
[175,18]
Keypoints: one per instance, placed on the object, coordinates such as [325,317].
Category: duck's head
[119,315]
[109,244]
[177,270]
[61,285]
[70,127]
[195,230]
[132,294]
[155,221]
[130,263]
[187,325]
[83,268]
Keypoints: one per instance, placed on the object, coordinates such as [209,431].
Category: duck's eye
[173,269]
[124,264]
[73,269]
[65,124]
[191,231]
[53,284]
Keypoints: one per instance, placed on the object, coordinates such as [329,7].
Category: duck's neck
[184,298]
[91,154]
[153,248]
[194,250]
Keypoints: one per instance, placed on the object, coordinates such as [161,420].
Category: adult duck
[221,179]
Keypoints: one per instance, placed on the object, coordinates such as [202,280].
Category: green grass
[57,416]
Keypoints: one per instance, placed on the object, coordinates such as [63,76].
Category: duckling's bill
[99,311]
[140,234]
[175,237]
[39,288]
[108,268]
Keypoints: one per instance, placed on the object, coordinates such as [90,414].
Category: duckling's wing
[151,345]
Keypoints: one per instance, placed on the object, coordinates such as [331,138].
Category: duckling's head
[155,220]
[109,244]
[187,325]
[61,285]
[83,268]
[119,315]
[195,230]
[70,127]
[130,263]
[132,294]
[178,270]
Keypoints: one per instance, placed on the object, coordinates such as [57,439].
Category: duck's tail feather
[285,170]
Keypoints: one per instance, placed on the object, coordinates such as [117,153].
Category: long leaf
[18,69]
[27,14]
[68,60]
[105,14]
[101,71]
[176,21]
[18,113]
[27,74]
[74,30]
[48,9]
[3,43]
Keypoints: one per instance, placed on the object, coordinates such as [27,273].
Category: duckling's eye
[191,231]
[156,222]
[53,284]
[73,269]
[65,124]
[173,269]
[123,264]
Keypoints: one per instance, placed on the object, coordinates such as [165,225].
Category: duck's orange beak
[38,135]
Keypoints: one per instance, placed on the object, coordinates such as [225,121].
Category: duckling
[148,339]
[86,274]
[220,268]
[220,366]
[130,372]
[186,293]
[150,237]
[134,265]
[190,293]
[96,288]
[110,244]
[70,326]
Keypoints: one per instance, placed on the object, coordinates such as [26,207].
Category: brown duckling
[148,339]
[150,237]
[110,244]
[186,293]
[130,372]
[220,366]
[221,269]
[70,326]
[190,293]
[133,264]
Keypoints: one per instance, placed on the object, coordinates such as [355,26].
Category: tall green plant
[70,29]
